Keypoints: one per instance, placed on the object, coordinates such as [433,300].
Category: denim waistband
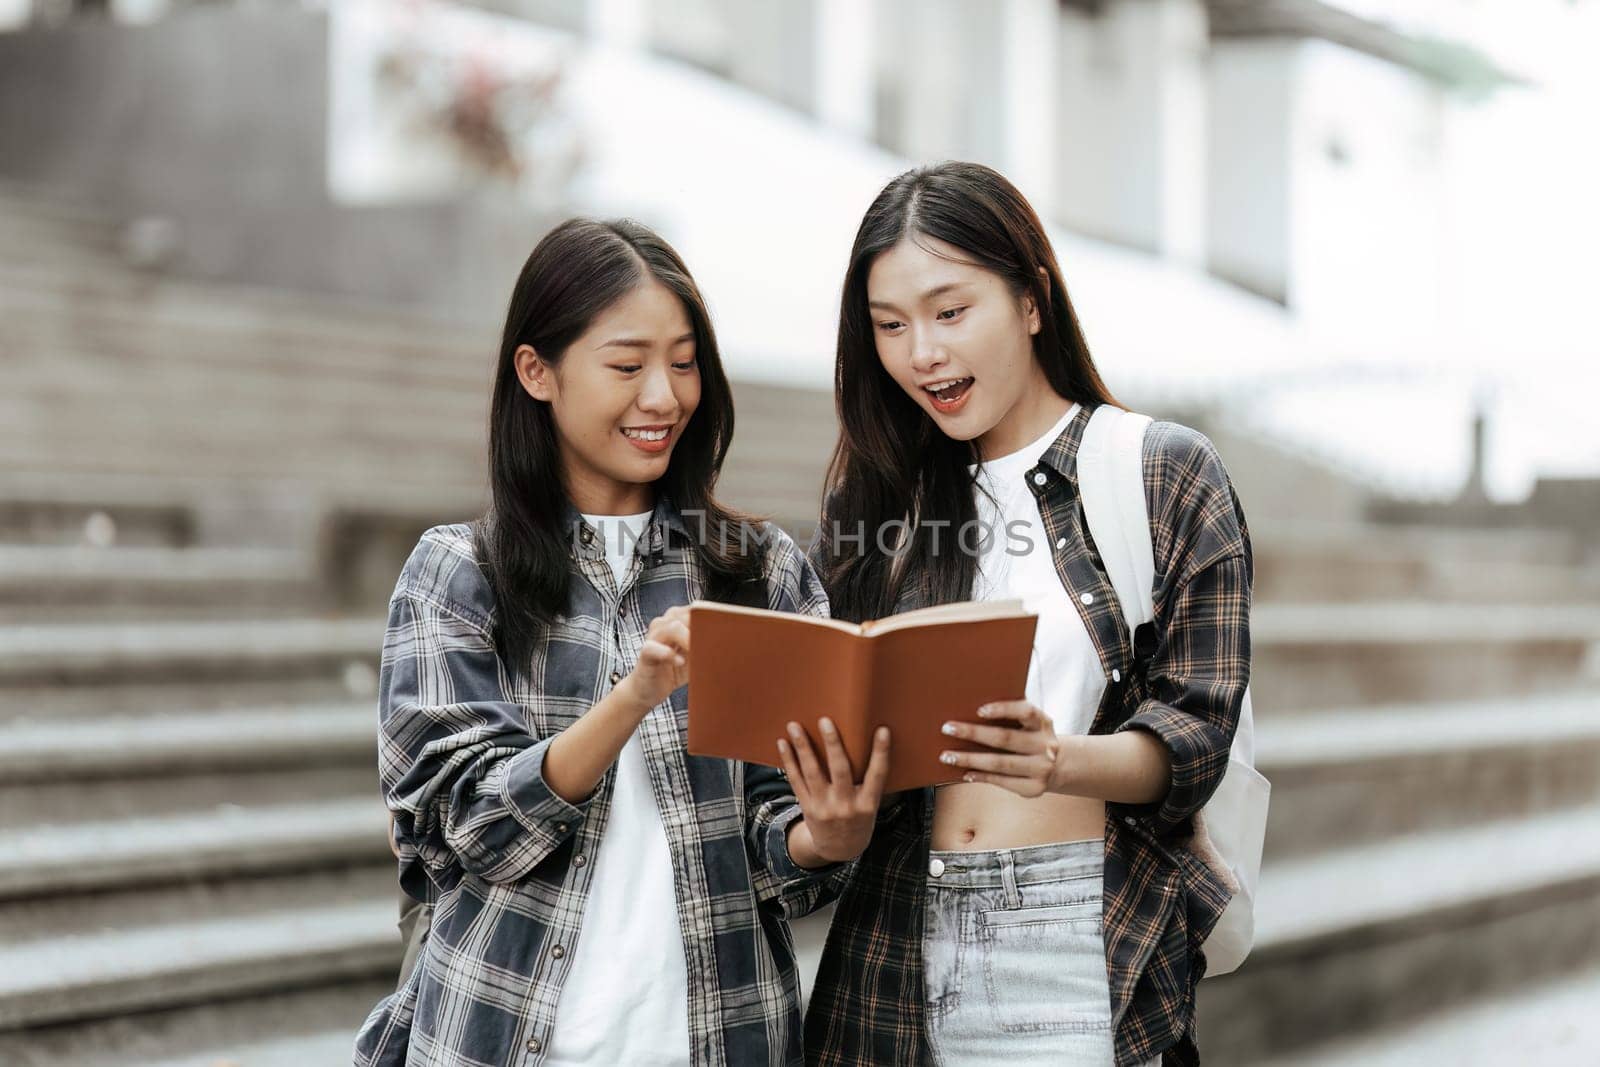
[1033,865]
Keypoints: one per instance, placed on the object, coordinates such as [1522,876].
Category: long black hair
[892,463]
[576,271]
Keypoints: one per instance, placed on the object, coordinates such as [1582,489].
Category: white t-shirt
[626,999]
[1018,562]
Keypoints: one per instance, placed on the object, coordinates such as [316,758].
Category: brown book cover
[752,672]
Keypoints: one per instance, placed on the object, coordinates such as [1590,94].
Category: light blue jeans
[1014,960]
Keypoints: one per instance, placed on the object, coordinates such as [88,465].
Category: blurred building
[252,262]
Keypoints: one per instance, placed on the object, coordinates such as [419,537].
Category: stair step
[48,201]
[113,288]
[31,518]
[118,853]
[125,340]
[43,232]
[70,652]
[1361,774]
[95,974]
[1375,567]
[1553,1024]
[309,1027]
[1313,656]
[38,749]
[43,703]
[45,576]
[1381,934]
[67,802]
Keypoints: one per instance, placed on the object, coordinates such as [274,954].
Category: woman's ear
[537,379]
[1034,322]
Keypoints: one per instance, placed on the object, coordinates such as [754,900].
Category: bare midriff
[974,817]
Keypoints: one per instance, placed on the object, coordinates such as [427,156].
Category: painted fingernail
[794,730]
[951,729]
[968,778]
[947,757]
[783,748]
[827,725]
[883,733]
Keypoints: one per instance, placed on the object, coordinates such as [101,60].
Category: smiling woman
[621,395]
[532,707]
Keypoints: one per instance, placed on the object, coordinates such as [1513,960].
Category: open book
[752,672]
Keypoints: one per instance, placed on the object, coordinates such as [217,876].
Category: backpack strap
[1111,486]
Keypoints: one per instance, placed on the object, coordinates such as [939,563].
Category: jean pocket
[1045,968]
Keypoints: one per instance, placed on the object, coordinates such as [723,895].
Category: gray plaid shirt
[505,860]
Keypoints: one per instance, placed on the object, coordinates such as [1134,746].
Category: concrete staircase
[197,866]
[193,829]
[205,495]
[1428,710]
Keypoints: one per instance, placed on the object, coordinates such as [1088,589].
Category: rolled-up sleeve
[1196,685]
[1196,678]
[462,777]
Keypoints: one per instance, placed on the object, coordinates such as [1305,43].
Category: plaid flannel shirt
[1160,899]
[504,859]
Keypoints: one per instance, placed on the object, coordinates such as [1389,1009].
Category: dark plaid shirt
[1160,899]
[505,860]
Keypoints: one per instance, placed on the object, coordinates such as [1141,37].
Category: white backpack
[1230,829]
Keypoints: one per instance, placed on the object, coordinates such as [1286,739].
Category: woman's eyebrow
[641,342]
[932,294]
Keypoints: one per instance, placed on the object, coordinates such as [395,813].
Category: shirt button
[561,827]
[1061,543]
[616,676]
[1039,478]
[936,866]
[1087,599]
[1130,820]
[587,537]
[622,612]
[579,860]
[1116,675]
[558,952]
[534,1045]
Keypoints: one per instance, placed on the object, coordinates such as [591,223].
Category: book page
[763,613]
[965,611]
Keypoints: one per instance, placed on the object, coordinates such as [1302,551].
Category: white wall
[1248,189]
[1369,213]
[1131,134]
[939,68]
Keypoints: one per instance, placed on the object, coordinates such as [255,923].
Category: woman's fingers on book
[994,763]
[1022,712]
[1004,738]
[877,768]
[809,767]
[839,772]
[791,770]
[670,630]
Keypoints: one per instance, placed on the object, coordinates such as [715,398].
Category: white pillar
[845,73]
[1030,98]
[1183,42]
[620,24]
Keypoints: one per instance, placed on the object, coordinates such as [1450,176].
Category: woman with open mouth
[1043,909]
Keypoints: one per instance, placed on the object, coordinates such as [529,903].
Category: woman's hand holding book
[837,814]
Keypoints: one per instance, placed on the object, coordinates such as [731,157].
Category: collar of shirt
[666,528]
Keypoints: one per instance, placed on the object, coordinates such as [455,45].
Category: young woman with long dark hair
[1044,909]
[599,895]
